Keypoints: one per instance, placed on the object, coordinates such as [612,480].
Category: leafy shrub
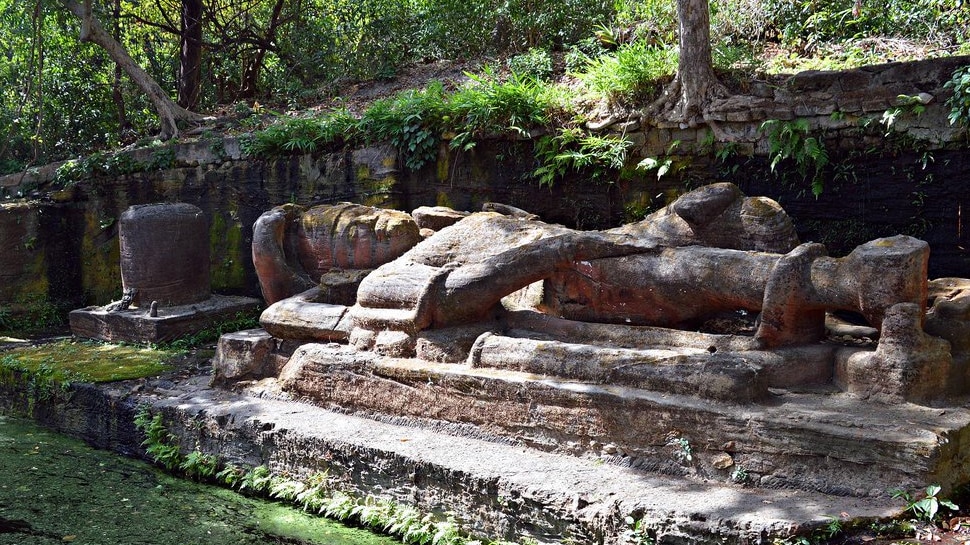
[535,63]
[492,106]
[572,149]
[959,103]
[653,21]
[809,22]
[410,120]
[581,53]
[301,134]
[790,141]
[631,72]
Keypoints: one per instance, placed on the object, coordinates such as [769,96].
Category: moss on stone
[442,199]
[225,243]
[101,262]
[88,361]
[443,165]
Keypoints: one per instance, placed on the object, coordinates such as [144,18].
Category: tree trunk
[116,95]
[169,112]
[252,67]
[696,83]
[190,54]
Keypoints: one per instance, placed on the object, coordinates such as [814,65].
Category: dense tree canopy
[61,97]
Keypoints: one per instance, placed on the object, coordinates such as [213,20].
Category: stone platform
[136,325]
[823,441]
[493,487]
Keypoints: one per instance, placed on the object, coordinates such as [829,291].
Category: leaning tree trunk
[695,84]
[169,113]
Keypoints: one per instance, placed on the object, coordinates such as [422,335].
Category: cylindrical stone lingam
[165,254]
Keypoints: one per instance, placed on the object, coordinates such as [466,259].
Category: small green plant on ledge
[913,105]
[639,533]
[238,322]
[684,453]
[160,444]
[314,493]
[572,149]
[790,141]
[927,508]
[959,103]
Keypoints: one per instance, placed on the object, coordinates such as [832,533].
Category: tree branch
[169,113]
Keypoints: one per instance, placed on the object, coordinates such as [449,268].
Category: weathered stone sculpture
[567,340]
[310,262]
[165,280]
[165,254]
[293,247]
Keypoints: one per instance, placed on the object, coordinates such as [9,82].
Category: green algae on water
[54,489]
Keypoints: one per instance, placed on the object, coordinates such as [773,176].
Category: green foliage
[59,97]
[457,29]
[654,21]
[490,106]
[662,165]
[239,322]
[631,73]
[928,507]
[159,443]
[416,121]
[39,383]
[302,135]
[582,53]
[199,465]
[315,493]
[534,63]
[740,475]
[230,475]
[257,480]
[29,312]
[411,120]
[112,164]
[90,361]
[959,103]
[908,105]
[639,533]
[790,141]
[683,452]
[809,22]
[55,92]
[572,149]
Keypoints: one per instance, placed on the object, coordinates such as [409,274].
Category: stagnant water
[54,489]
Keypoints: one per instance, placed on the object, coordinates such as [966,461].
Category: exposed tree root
[686,104]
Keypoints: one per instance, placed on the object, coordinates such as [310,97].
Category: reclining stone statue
[711,251]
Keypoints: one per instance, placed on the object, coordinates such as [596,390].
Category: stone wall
[60,245]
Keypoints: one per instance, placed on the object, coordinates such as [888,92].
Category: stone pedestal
[165,275]
[136,325]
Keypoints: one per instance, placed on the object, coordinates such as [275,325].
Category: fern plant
[159,443]
[572,149]
[959,103]
[791,141]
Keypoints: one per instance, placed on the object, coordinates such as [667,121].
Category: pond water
[54,489]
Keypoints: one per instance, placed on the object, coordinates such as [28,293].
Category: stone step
[496,488]
[824,441]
